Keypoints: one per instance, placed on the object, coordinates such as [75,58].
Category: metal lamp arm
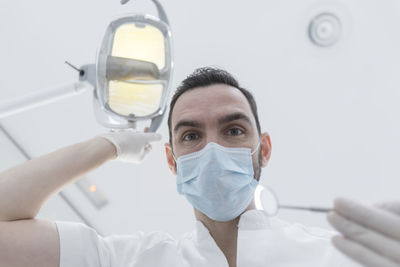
[161,12]
[40,98]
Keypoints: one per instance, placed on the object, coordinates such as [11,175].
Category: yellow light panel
[131,98]
[135,42]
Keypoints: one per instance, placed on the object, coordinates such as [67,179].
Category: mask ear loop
[175,159]
[255,150]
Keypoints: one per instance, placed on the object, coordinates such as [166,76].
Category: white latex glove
[131,146]
[371,235]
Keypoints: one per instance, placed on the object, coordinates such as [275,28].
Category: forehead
[206,103]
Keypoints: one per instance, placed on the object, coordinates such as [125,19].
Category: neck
[224,233]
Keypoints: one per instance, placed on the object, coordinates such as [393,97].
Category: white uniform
[262,241]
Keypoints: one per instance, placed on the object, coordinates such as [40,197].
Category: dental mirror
[266,199]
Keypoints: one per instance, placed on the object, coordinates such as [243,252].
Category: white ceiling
[333,113]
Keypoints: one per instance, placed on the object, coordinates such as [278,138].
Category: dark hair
[208,76]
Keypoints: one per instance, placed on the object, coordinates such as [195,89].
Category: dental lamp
[131,78]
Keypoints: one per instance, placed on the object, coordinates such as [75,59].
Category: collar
[254,220]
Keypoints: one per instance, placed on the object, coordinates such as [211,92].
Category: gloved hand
[131,146]
[371,235]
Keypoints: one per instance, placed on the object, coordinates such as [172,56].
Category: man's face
[218,113]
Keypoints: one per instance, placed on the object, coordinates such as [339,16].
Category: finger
[370,217]
[361,254]
[393,206]
[151,137]
[146,150]
[379,243]
[147,147]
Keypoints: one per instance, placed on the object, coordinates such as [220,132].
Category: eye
[190,137]
[235,131]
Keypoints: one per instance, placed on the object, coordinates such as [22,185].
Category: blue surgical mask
[218,181]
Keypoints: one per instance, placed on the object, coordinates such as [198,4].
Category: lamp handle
[161,12]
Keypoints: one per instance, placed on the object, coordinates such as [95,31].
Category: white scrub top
[262,241]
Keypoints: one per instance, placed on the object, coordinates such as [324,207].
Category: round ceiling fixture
[324,29]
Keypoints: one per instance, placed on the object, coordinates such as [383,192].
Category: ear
[266,149]
[170,158]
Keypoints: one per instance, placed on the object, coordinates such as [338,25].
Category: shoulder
[81,245]
[140,241]
[68,229]
[312,242]
[297,230]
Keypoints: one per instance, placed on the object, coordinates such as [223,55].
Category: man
[216,149]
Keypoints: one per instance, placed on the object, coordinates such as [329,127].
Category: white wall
[332,112]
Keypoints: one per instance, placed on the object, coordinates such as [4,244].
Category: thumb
[146,151]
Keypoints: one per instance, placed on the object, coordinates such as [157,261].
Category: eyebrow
[187,123]
[223,120]
[233,117]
